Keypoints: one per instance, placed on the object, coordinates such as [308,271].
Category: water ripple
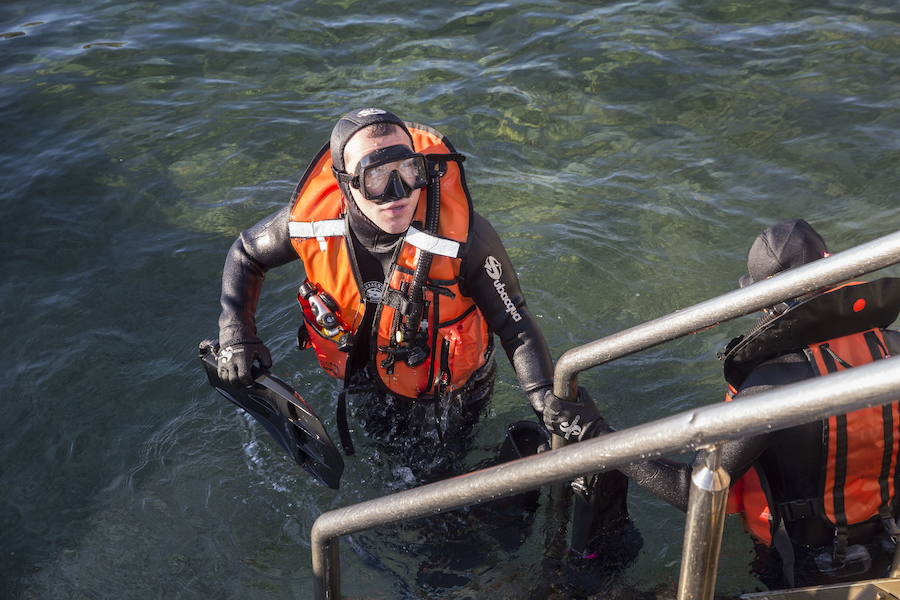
[626,153]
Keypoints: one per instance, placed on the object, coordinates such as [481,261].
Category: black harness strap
[831,361]
[462,316]
[343,426]
[341,417]
[875,346]
[785,548]
[840,480]
[831,358]
[887,419]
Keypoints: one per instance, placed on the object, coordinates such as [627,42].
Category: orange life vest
[457,334]
[859,477]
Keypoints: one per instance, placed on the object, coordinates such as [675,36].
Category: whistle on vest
[319,309]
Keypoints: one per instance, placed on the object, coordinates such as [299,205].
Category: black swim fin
[523,439]
[509,520]
[600,508]
[285,415]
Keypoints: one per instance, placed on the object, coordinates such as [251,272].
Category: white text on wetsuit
[494,270]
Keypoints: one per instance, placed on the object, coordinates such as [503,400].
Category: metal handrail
[784,407]
[868,385]
[868,257]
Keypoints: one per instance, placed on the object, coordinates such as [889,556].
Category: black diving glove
[574,421]
[235,363]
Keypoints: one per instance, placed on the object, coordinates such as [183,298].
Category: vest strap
[343,426]
[839,554]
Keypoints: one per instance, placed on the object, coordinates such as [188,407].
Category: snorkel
[408,334]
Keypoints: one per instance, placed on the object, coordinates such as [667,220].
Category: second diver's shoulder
[785,369]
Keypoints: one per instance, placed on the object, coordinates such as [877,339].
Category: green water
[626,152]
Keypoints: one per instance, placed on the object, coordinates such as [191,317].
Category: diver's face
[391,217]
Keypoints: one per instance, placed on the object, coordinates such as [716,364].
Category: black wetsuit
[791,459]
[267,244]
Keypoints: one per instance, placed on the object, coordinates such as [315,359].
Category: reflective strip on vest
[431,243]
[317,229]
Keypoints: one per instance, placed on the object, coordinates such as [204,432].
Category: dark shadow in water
[463,551]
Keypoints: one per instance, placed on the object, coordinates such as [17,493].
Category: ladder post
[326,565]
[704,526]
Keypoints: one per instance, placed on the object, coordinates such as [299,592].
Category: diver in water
[405,286]
[819,499]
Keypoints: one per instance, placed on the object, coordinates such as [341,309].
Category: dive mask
[387,174]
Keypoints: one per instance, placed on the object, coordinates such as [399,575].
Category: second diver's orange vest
[859,477]
[457,334]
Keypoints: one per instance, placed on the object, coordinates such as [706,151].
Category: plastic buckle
[796,510]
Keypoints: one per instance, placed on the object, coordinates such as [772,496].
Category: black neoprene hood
[782,246]
[352,122]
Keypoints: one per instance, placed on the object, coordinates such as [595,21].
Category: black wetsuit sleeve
[489,278]
[256,250]
[666,479]
[670,480]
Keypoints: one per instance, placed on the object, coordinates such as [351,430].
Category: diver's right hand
[235,361]
[577,420]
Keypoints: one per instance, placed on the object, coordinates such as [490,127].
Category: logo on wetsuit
[494,270]
[372,291]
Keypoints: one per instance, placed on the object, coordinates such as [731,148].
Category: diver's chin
[396,219]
